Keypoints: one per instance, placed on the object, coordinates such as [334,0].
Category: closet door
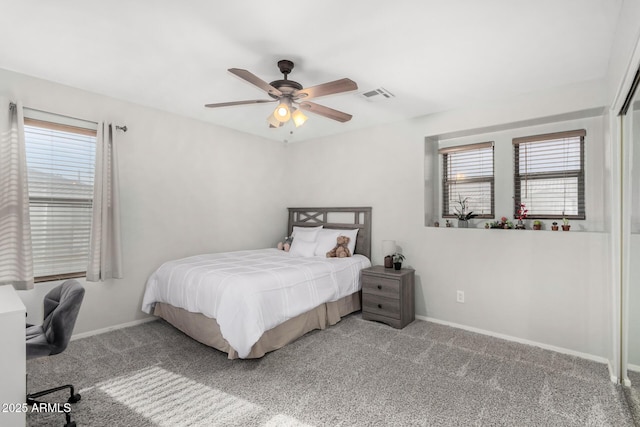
[630,292]
[631,141]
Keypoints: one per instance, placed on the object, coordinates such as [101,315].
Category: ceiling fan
[292,96]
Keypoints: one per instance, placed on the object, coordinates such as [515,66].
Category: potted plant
[463,213]
[537,225]
[504,223]
[522,214]
[554,226]
[397,260]
[565,224]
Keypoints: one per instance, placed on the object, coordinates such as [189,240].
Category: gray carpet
[356,373]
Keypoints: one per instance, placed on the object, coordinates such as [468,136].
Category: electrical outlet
[460,296]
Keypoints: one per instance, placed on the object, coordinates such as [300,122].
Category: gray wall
[187,187]
[548,288]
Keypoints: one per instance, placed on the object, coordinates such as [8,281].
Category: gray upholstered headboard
[338,218]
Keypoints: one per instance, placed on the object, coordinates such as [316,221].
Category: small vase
[566,227]
[397,265]
[463,223]
[388,261]
[554,228]
[537,226]
[520,225]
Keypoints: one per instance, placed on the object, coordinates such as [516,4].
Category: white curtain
[105,253]
[16,258]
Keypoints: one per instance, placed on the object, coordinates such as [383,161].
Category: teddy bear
[341,250]
[286,245]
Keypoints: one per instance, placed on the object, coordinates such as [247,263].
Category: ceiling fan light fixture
[298,118]
[273,122]
[282,112]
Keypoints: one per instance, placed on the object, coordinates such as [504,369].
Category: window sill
[543,231]
[57,277]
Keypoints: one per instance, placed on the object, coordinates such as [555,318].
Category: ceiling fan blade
[228,104]
[255,80]
[337,86]
[327,112]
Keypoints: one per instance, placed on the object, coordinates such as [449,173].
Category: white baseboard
[631,367]
[112,328]
[523,341]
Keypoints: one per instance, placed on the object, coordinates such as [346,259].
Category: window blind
[60,171]
[468,173]
[549,175]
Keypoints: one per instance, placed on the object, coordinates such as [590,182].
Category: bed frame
[207,331]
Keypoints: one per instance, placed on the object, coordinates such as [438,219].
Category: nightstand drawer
[382,286]
[378,305]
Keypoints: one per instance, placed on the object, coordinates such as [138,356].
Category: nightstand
[388,295]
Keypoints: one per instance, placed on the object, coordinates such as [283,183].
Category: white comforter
[250,292]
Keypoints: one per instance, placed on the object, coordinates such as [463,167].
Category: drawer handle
[379,305]
[379,286]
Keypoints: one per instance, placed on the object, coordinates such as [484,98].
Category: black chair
[61,307]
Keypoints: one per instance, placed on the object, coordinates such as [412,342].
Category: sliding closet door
[630,238]
[631,138]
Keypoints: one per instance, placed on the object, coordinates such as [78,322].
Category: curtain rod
[13,105]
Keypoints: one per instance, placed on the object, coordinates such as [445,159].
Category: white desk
[13,364]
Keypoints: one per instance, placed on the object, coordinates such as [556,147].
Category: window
[60,171]
[467,172]
[549,175]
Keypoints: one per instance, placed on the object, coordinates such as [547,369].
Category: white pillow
[326,241]
[351,234]
[307,235]
[296,229]
[302,248]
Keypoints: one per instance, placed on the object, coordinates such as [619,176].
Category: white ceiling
[433,55]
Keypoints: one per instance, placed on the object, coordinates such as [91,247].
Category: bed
[248,303]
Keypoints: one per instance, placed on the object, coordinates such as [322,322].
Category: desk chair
[61,306]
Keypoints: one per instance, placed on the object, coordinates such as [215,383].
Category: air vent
[377,94]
